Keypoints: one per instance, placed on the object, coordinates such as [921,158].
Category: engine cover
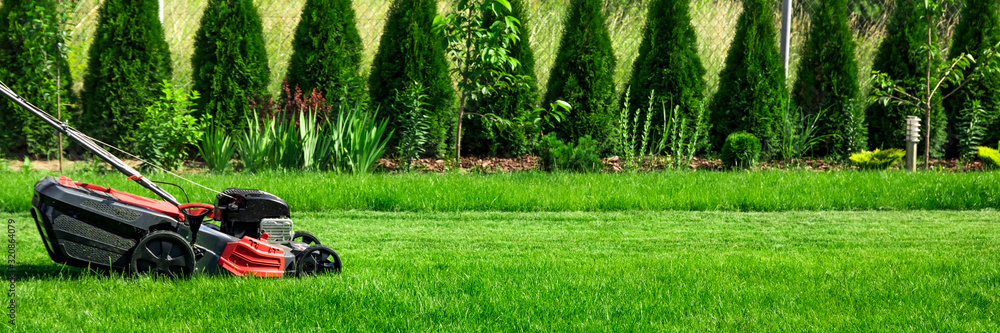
[240,211]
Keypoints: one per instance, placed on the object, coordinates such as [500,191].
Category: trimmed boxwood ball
[741,150]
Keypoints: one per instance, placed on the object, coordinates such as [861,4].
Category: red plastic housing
[253,257]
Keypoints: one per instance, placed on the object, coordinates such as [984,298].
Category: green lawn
[642,271]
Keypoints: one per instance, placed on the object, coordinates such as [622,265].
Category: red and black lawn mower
[86,225]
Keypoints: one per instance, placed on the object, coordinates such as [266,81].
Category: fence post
[161,12]
[786,31]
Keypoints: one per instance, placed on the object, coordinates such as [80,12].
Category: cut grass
[576,271]
[535,191]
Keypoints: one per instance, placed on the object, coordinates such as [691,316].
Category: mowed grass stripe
[764,191]
[569,271]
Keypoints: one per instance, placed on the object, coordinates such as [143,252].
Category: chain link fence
[713,20]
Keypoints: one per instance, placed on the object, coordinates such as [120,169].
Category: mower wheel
[163,253]
[317,259]
[306,237]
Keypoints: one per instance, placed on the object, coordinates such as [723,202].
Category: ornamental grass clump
[877,159]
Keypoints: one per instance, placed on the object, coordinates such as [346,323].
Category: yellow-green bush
[878,159]
[990,157]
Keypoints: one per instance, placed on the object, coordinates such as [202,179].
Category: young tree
[752,94]
[909,56]
[32,55]
[129,58]
[583,73]
[411,51]
[510,101]
[229,64]
[327,51]
[976,34]
[667,64]
[827,84]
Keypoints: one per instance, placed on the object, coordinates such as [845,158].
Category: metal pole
[161,11]
[786,31]
[59,112]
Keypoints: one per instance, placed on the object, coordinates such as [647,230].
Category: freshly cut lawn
[762,191]
[630,271]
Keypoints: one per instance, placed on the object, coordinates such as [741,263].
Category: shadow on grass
[56,271]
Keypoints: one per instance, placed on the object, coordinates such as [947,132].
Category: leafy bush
[901,55]
[412,109]
[167,129]
[556,155]
[128,59]
[229,64]
[217,149]
[30,59]
[990,157]
[741,150]
[827,86]
[583,74]
[411,51]
[752,94]
[977,31]
[327,51]
[878,159]
[668,64]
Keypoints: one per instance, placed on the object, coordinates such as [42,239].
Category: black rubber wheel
[306,237]
[317,259]
[163,253]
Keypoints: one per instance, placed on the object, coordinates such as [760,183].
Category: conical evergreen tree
[411,51]
[327,51]
[29,63]
[129,58]
[229,62]
[900,57]
[978,30]
[583,73]
[827,82]
[752,94]
[667,64]
[507,102]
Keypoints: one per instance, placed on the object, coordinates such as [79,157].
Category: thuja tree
[31,58]
[977,33]
[410,52]
[752,94]
[327,51]
[908,56]
[827,88]
[583,74]
[229,64]
[667,65]
[129,58]
[509,101]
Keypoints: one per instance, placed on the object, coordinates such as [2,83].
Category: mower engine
[246,212]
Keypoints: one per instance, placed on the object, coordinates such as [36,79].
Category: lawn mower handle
[89,144]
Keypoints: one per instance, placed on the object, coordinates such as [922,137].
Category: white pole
[786,31]
[161,11]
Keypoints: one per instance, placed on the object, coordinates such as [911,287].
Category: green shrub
[741,150]
[990,157]
[878,159]
[901,56]
[827,84]
[229,64]
[411,51]
[412,109]
[327,51]
[129,58]
[583,74]
[668,64]
[752,95]
[977,31]
[556,155]
[29,61]
[167,129]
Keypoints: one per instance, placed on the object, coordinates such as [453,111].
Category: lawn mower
[87,225]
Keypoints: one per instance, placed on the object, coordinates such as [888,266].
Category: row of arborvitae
[665,103]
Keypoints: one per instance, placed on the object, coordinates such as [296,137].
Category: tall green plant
[752,94]
[229,64]
[583,74]
[129,57]
[217,148]
[977,33]
[327,51]
[827,86]
[668,64]
[411,51]
[167,129]
[413,117]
